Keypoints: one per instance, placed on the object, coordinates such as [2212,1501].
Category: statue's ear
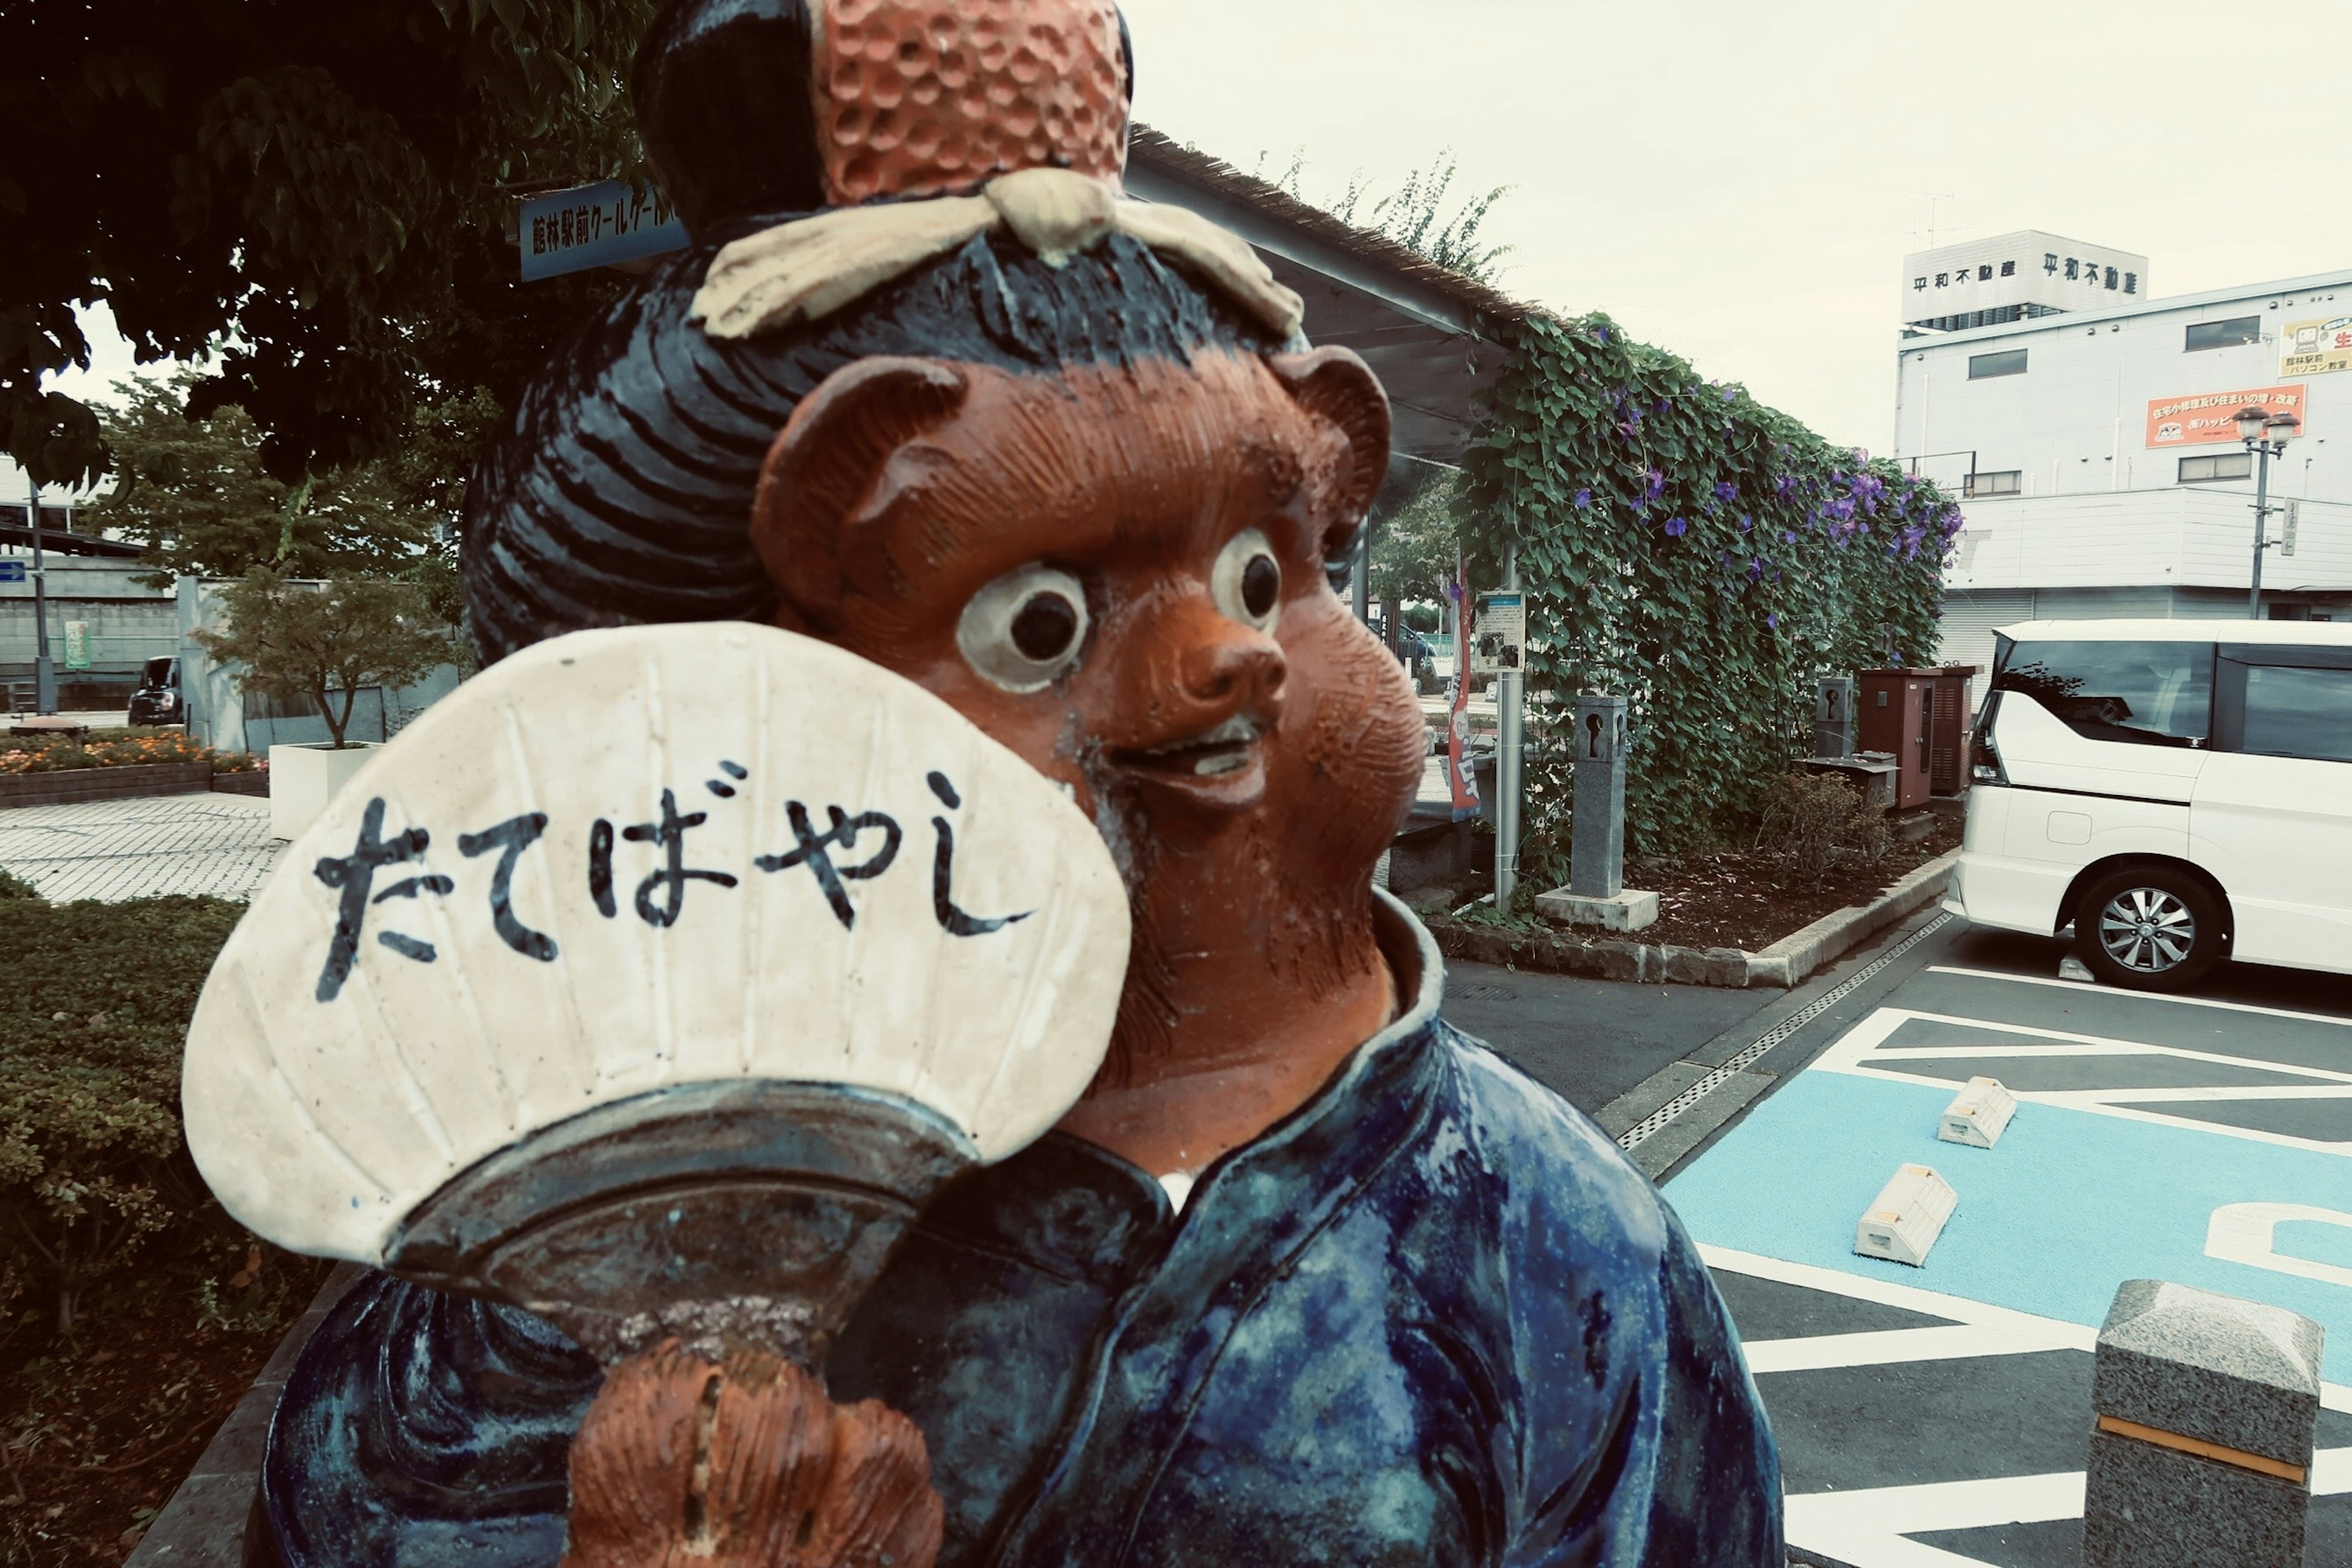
[1333,384]
[824,465]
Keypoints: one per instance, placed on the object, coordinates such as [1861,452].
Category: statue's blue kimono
[1435,1317]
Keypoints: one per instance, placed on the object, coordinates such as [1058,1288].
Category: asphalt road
[1939,1415]
[1588,1041]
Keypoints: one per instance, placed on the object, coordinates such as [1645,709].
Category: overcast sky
[1739,182]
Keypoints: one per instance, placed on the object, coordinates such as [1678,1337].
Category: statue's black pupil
[1261,581]
[1045,626]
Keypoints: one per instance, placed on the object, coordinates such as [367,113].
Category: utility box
[1897,716]
[1948,727]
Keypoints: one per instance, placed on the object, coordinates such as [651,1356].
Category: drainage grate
[1656,1123]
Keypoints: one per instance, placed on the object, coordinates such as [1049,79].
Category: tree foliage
[196,492]
[323,188]
[1704,555]
[327,641]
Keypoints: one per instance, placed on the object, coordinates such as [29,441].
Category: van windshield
[2147,693]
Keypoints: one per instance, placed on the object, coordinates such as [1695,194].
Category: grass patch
[133,1311]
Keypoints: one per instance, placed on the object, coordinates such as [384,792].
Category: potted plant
[324,641]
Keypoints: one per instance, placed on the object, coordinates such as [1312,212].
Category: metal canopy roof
[1418,325]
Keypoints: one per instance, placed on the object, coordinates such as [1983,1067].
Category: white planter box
[303,779]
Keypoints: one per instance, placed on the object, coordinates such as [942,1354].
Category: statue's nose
[1245,669]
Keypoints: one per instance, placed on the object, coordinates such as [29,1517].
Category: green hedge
[1698,552]
[93,1169]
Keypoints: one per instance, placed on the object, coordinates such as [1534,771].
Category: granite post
[1834,718]
[2205,1409]
[1596,892]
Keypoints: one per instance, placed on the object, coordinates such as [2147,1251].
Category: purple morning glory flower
[1747,524]
[1787,536]
[1773,620]
[1729,394]
[1583,499]
[1655,488]
[1599,334]
[1755,571]
[1726,491]
[1676,527]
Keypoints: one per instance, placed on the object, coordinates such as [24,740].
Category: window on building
[2220,465]
[2000,482]
[2226,334]
[2155,694]
[2009,269]
[2009,362]
[2278,710]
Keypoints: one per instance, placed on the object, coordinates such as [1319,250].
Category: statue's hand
[686,1463]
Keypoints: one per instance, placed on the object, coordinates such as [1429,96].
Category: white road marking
[1867,1528]
[1861,1052]
[2075,985]
[2040,1333]
[1885,1347]
[2035,1331]
[2244,1233]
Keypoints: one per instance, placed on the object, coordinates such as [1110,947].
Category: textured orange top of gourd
[921,97]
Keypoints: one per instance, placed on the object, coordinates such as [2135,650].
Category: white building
[2088,429]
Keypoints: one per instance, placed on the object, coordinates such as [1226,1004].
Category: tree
[1418,544]
[324,188]
[194,491]
[328,641]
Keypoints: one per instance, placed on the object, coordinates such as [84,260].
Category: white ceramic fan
[652,981]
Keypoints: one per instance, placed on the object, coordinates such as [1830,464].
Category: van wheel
[2149,928]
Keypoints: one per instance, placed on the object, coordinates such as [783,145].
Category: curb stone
[1787,963]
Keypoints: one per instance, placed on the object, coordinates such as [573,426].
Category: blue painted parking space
[2198,1139]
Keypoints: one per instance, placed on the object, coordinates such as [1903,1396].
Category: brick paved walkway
[217,844]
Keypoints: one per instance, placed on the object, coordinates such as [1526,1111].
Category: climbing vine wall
[1702,555]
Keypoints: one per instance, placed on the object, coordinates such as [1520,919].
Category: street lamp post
[45,675]
[2265,434]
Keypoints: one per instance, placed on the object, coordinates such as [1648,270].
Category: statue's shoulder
[1551,1164]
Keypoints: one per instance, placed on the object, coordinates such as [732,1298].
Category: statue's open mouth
[1224,763]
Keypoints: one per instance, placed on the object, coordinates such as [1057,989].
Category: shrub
[93,1167]
[1813,819]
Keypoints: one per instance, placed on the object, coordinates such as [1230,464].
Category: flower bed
[117,749]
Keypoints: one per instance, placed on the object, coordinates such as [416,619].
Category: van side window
[2275,709]
[2145,693]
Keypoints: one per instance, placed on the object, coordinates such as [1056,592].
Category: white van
[2179,791]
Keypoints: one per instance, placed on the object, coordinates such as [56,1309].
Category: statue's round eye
[1025,630]
[1247,580]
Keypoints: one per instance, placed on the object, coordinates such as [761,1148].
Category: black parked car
[158,699]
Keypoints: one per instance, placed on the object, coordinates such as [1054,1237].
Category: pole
[1363,575]
[45,676]
[2261,521]
[1506,759]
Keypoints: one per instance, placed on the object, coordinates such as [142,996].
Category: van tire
[2174,905]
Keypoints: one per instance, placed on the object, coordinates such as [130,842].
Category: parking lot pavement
[1939,1415]
[214,844]
[1588,1041]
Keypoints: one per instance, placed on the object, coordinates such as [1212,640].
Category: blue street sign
[595,226]
[12,571]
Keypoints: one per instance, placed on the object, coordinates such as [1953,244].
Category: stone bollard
[2206,1410]
[1596,894]
[1597,850]
[1834,718]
